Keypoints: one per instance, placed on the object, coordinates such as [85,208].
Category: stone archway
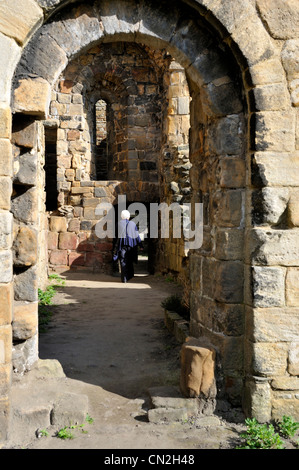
[217,147]
[216,107]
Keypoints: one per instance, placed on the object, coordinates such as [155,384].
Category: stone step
[41,401]
[168,405]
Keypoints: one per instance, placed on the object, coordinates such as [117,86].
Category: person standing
[126,247]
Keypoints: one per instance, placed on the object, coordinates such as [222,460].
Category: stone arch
[266,91]
[217,137]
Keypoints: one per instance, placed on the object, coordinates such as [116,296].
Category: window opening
[51,168]
[101,140]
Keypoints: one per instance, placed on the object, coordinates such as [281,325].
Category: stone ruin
[197,103]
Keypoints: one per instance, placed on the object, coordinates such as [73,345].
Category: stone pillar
[198,360]
[29,255]
[6,289]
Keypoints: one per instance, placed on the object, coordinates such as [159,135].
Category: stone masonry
[201,105]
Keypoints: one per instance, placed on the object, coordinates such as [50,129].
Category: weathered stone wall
[263,36]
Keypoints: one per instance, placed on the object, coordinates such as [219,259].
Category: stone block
[74,225]
[269,205]
[76,259]
[5,344]
[274,247]
[70,175]
[228,208]
[24,206]
[259,50]
[223,318]
[276,325]
[104,246]
[293,208]
[6,302]
[223,280]
[25,321]
[285,406]
[221,99]
[73,134]
[6,266]
[26,285]
[75,110]
[5,410]
[9,56]
[19,18]
[269,359]
[25,246]
[66,86]
[81,190]
[24,132]
[229,282]
[258,399]
[197,369]
[232,172]
[167,415]
[268,286]
[5,122]
[64,161]
[275,131]
[74,36]
[5,383]
[52,240]
[6,226]
[69,409]
[293,359]
[275,169]
[292,287]
[5,192]
[183,105]
[271,97]
[89,213]
[225,137]
[58,224]
[229,244]
[100,192]
[26,173]
[32,97]
[267,72]
[6,163]
[187,44]
[25,355]
[67,241]
[44,58]
[94,259]
[289,57]
[282,18]
[58,257]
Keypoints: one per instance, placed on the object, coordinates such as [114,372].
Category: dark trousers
[126,258]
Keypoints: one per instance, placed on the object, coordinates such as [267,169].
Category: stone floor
[107,354]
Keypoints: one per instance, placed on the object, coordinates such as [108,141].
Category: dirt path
[111,342]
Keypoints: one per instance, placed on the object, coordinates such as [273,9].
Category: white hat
[125,214]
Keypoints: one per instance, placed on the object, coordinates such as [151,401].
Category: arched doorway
[217,144]
[218,148]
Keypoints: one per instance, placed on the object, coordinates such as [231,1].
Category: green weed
[263,436]
[45,299]
[174,303]
[260,436]
[287,427]
[66,433]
